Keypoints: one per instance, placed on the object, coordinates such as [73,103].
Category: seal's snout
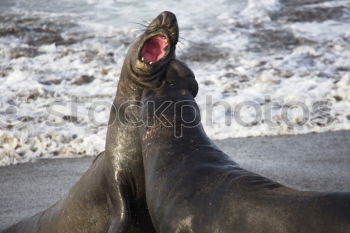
[164,19]
[160,40]
[169,22]
[167,19]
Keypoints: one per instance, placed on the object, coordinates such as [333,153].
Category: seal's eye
[154,49]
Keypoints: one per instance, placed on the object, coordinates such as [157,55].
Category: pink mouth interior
[154,49]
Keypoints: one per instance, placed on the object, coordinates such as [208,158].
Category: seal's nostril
[168,18]
[168,14]
[164,21]
[160,19]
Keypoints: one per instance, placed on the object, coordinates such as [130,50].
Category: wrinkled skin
[192,186]
[110,196]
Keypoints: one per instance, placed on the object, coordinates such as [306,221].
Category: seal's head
[179,84]
[180,79]
[152,51]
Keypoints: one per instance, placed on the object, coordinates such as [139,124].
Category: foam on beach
[264,68]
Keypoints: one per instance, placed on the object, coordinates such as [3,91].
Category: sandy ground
[308,162]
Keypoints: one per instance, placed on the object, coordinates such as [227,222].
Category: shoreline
[317,162]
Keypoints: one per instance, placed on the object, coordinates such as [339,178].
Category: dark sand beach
[317,162]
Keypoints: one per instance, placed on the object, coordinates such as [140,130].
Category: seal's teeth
[142,59]
[150,63]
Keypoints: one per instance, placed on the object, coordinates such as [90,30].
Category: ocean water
[264,67]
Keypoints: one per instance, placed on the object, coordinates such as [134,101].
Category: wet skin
[110,196]
[192,186]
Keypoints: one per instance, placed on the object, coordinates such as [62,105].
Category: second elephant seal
[192,186]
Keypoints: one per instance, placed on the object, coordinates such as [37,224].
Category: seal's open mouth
[154,49]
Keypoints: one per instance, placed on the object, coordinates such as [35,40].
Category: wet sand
[317,162]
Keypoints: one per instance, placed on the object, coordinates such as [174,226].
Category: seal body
[83,209]
[110,196]
[144,66]
[192,186]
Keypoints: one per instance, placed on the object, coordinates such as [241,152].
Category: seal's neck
[131,84]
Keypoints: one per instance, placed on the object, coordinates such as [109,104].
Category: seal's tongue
[154,49]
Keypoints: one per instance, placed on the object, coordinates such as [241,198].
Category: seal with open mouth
[110,196]
[192,186]
[144,67]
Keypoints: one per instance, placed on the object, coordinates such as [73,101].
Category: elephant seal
[110,196]
[192,186]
